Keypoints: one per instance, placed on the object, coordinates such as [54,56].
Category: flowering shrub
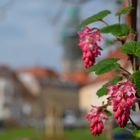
[123,91]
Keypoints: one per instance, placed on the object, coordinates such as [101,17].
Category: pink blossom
[90,40]
[96,117]
[122,98]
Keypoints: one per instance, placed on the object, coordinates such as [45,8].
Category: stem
[134,124]
[104,22]
[134,26]
[134,63]
[121,68]
[134,16]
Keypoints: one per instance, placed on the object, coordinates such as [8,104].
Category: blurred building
[51,88]
[57,94]
[16,100]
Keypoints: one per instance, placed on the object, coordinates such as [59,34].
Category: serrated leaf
[136,133]
[115,80]
[97,17]
[124,10]
[138,50]
[104,66]
[136,80]
[103,90]
[107,68]
[131,47]
[108,113]
[116,29]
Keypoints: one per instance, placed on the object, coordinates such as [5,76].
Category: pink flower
[90,40]
[96,117]
[122,98]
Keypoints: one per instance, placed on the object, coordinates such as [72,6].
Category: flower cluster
[96,117]
[122,98]
[90,39]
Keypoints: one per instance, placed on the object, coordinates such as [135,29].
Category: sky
[28,37]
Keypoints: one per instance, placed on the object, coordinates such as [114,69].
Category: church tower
[72,53]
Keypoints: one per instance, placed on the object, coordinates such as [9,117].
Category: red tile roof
[79,77]
[39,72]
[117,53]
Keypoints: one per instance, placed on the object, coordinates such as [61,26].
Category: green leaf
[103,90]
[115,80]
[131,47]
[124,10]
[138,49]
[108,113]
[97,17]
[116,29]
[136,133]
[104,66]
[136,80]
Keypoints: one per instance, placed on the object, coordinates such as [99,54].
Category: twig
[104,22]
[125,70]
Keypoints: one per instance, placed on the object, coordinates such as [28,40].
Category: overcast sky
[27,35]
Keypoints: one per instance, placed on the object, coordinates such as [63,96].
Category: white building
[13,97]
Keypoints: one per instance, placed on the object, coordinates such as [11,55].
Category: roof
[117,53]
[79,77]
[39,72]
[7,72]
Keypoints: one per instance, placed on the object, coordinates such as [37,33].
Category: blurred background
[44,89]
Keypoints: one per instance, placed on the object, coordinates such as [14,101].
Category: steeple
[72,52]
